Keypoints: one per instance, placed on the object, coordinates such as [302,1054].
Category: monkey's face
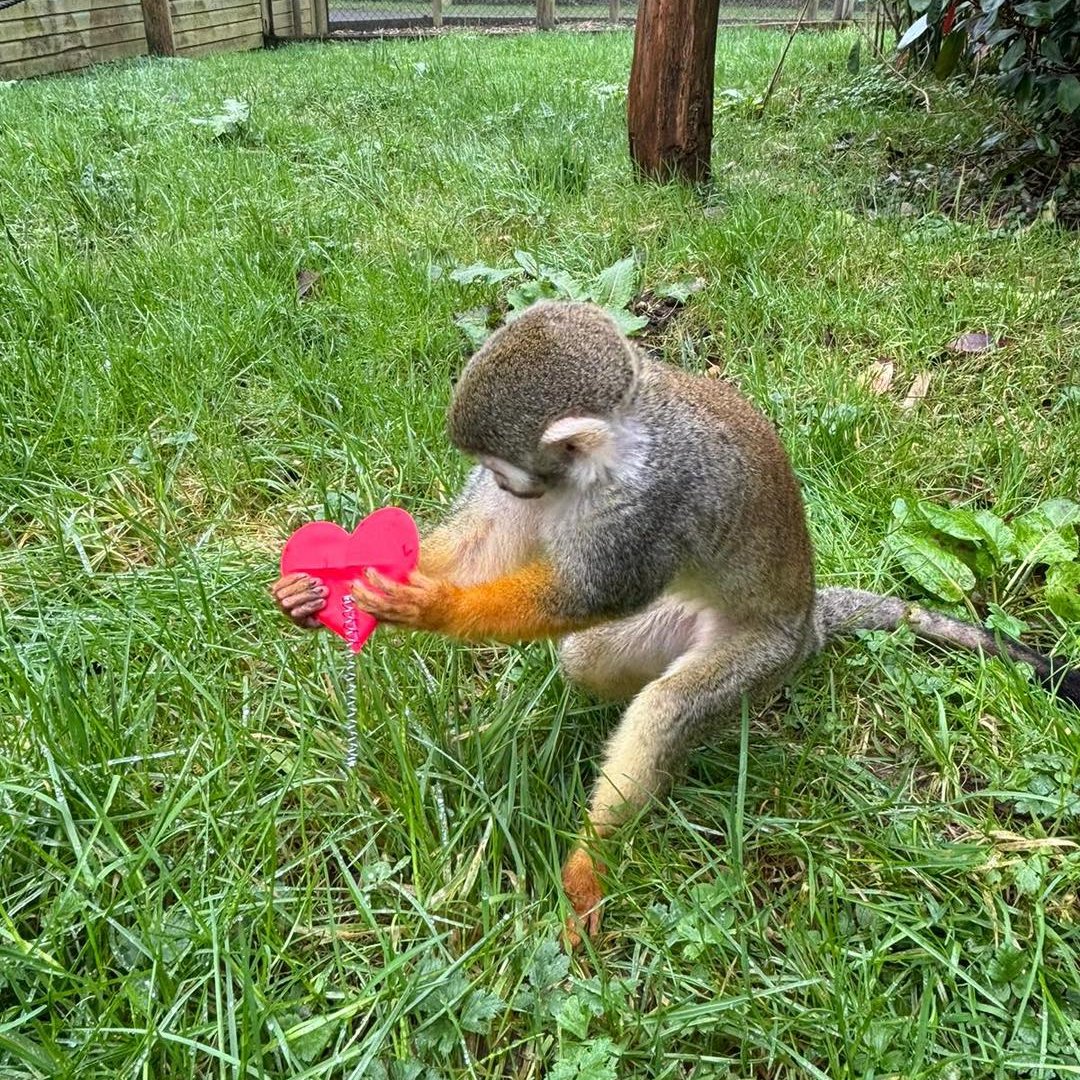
[514,480]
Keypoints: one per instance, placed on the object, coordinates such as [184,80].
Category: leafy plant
[231,121]
[1033,46]
[613,289]
[947,549]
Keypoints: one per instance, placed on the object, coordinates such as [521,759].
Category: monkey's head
[538,402]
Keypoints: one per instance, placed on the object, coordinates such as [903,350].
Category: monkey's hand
[518,607]
[581,884]
[299,597]
[416,604]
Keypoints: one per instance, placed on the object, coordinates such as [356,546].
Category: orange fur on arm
[516,607]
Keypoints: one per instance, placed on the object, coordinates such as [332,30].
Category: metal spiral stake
[352,634]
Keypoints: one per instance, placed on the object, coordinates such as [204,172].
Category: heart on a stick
[385,541]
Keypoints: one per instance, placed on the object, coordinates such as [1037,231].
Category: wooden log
[297,18]
[157,19]
[670,100]
[320,9]
[545,14]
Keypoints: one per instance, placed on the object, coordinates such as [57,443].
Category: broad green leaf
[949,56]
[940,573]
[550,965]
[574,1017]
[913,33]
[1002,539]
[21,1049]
[1028,875]
[629,323]
[1009,625]
[466,275]
[481,1007]
[681,290]
[901,512]
[527,263]
[568,287]
[1062,512]
[526,294]
[958,523]
[614,288]
[311,1037]
[473,324]
[597,1059]
[1063,591]
[1009,963]
[1036,13]
[1068,94]
[1012,55]
[1041,542]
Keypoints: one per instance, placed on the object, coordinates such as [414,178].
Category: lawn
[874,877]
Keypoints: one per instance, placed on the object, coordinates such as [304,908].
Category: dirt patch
[1008,182]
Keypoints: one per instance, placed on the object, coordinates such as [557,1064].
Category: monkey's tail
[841,611]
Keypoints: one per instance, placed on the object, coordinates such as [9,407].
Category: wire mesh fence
[359,16]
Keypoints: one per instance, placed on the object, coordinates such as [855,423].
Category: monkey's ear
[578,434]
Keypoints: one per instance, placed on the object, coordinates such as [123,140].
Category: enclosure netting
[371,15]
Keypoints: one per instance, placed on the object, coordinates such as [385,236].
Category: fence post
[669,104]
[613,10]
[436,14]
[812,11]
[157,21]
[843,10]
[545,14]
[320,10]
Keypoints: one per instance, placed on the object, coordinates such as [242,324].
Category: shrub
[1032,47]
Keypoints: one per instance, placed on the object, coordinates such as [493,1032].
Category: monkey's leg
[670,714]
[616,660]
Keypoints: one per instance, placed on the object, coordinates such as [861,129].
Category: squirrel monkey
[650,520]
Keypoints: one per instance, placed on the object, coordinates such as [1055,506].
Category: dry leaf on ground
[307,281]
[878,377]
[920,385]
[972,343]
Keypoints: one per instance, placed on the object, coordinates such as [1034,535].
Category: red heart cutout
[386,541]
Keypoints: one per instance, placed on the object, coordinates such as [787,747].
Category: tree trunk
[670,101]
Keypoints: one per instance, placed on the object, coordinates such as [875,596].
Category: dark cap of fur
[557,359]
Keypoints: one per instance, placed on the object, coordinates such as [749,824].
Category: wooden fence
[39,37]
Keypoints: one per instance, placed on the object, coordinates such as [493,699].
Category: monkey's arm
[606,572]
[486,534]
[520,606]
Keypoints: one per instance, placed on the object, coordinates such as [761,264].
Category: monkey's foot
[584,891]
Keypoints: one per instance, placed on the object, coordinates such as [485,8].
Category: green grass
[873,878]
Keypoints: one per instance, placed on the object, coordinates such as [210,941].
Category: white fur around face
[599,450]
[517,480]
